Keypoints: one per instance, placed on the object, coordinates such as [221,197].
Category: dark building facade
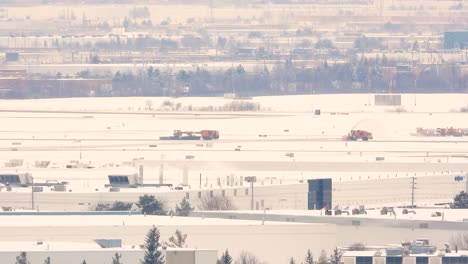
[456,40]
[319,194]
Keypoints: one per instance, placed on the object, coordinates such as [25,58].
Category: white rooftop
[120,220]
[37,246]
[452,215]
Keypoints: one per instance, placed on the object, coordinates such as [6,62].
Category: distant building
[456,40]
[12,56]
[415,252]
[13,85]
[320,194]
[102,251]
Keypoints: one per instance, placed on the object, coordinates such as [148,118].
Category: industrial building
[342,190]
[369,226]
[101,251]
[414,252]
[256,236]
[456,40]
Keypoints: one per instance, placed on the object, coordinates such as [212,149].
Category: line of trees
[248,258]
[149,205]
[363,75]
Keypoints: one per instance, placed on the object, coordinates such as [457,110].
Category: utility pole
[80,150]
[251,179]
[413,183]
[252,198]
[32,193]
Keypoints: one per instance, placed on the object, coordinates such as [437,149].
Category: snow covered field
[106,132]
[114,135]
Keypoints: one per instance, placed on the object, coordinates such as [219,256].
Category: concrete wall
[206,256]
[75,257]
[191,256]
[181,257]
[349,260]
[105,256]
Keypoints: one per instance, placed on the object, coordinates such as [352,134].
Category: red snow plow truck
[355,135]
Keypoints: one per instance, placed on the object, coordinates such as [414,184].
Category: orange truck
[209,134]
[355,135]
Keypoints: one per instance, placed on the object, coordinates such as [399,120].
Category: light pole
[251,179]
[78,141]
[32,193]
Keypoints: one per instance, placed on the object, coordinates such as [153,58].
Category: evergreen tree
[323,258]
[309,259]
[335,258]
[225,258]
[292,261]
[84,262]
[150,205]
[152,254]
[461,200]
[184,208]
[22,258]
[177,240]
[47,260]
[116,259]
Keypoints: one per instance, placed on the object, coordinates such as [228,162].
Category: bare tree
[323,258]
[247,258]
[336,256]
[358,246]
[460,241]
[216,203]
[177,240]
[149,104]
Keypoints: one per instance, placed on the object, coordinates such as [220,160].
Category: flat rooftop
[448,215]
[38,246]
[125,220]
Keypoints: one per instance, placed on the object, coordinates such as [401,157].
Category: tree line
[363,75]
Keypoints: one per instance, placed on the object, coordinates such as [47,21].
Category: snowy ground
[105,132]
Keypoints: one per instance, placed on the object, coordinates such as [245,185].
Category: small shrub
[116,206]
[384,211]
